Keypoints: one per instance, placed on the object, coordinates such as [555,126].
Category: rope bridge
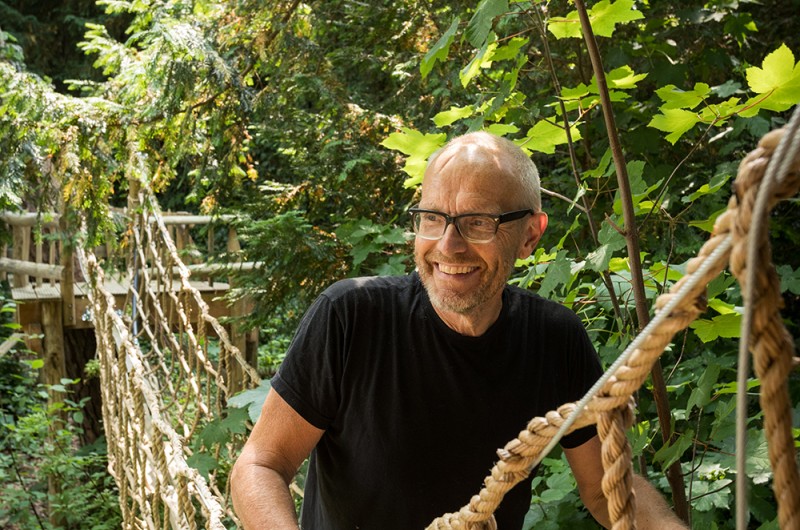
[161,385]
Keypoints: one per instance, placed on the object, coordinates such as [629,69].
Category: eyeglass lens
[477,228]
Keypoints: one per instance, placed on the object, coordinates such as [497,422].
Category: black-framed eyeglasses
[473,227]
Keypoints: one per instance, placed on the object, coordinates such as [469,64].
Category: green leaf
[509,50]
[623,78]
[725,326]
[707,225]
[452,115]
[203,463]
[716,182]
[545,136]
[440,50]
[701,395]
[757,464]
[480,24]
[790,279]
[418,147]
[610,241]
[252,399]
[558,273]
[674,98]
[603,16]
[502,129]
[669,454]
[675,122]
[721,307]
[481,60]
[778,76]
[235,420]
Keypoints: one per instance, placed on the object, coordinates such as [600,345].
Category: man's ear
[534,229]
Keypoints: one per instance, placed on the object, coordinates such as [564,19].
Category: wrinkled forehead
[469,158]
[483,163]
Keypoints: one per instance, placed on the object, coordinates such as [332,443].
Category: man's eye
[431,218]
[479,222]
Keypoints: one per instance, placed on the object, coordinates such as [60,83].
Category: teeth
[448,269]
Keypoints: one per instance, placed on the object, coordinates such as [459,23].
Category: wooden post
[21,251]
[210,278]
[3,254]
[67,276]
[39,251]
[53,371]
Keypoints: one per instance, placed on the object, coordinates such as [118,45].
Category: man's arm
[280,441]
[652,511]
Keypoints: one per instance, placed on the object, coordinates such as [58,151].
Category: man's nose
[452,241]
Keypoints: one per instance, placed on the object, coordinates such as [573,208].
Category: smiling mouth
[455,269]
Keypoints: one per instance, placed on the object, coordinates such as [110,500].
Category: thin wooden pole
[674,473]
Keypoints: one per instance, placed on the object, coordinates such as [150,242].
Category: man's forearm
[652,511]
[262,499]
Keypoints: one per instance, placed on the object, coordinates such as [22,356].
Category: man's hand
[652,511]
[280,441]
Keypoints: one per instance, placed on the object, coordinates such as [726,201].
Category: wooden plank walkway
[30,298]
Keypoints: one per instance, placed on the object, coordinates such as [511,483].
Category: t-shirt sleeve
[308,379]
[584,370]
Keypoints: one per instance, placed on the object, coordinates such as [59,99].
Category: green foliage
[314,122]
[38,446]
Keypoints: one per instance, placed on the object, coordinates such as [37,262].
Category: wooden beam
[181,219]
[30,219]
[29,268]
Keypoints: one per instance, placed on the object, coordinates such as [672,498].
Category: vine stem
[674,474]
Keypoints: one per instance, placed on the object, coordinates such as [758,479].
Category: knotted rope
[609,403]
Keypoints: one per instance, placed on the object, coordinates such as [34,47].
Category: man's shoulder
[530,303]
[367,287]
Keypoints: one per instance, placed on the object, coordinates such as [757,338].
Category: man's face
[461,277]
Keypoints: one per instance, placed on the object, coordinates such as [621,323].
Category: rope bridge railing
[161,382]
[609,404]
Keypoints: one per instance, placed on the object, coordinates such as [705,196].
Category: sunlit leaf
[623,78]
[722,326]
[545,136]
[779,76]
[675,98]
[418,147]
[452,115]
[675,122]
[603,16]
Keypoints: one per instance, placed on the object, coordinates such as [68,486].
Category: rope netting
[161,381]
[610,403]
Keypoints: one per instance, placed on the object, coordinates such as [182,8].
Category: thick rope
[674,312]
[771,344]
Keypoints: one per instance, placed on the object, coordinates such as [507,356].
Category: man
[401,389]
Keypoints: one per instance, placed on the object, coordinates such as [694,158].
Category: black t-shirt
[414,412]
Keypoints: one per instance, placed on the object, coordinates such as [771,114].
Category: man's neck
[474,323]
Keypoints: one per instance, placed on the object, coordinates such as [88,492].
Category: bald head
[494,157]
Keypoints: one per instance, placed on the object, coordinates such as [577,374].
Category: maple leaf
[603,17]
[779,77]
